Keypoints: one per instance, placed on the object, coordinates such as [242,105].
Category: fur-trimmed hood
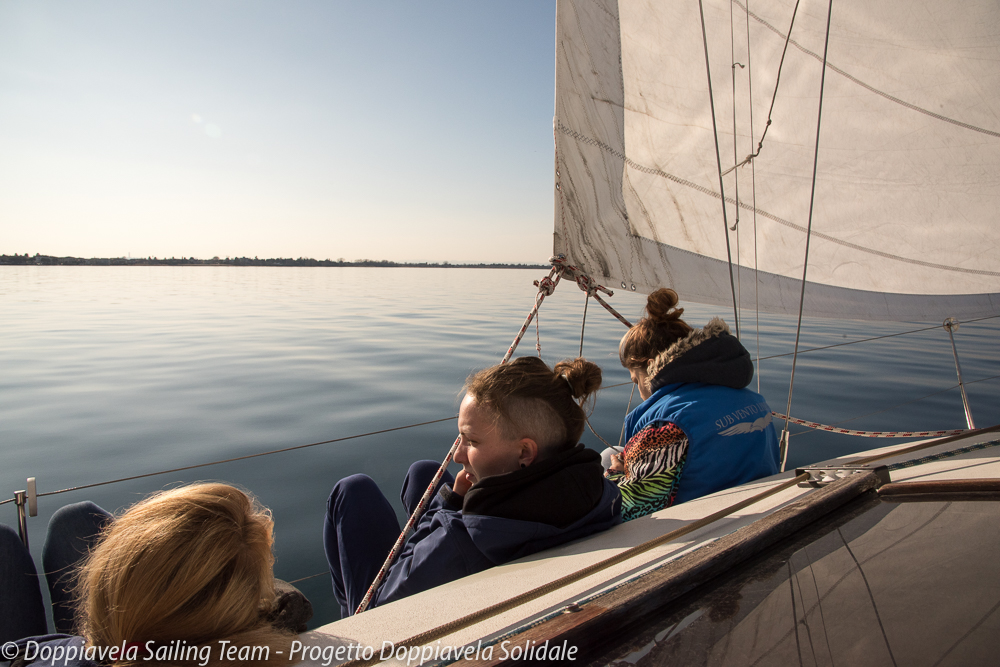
[710,355]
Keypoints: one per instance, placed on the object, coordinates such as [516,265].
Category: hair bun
[660,305]
[584,377]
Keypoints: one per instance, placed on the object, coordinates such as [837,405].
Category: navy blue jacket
[505,517]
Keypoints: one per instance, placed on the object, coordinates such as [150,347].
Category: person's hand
[616,463]
[462,483]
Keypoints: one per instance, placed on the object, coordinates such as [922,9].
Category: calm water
[109,372]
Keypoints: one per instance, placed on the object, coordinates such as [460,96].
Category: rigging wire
[753,193]
[805,259]
[718,161]
[736,176]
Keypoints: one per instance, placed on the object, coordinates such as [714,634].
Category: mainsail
[907,170]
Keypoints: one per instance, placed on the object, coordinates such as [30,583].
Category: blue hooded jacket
[699,384]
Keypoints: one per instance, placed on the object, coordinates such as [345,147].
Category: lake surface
[110,372]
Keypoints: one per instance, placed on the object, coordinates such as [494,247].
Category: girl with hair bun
[526,485]
[698,429]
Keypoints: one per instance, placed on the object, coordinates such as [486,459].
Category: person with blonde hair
[699,429]
[526,484]
[183,577]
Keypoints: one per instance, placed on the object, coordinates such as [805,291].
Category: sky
[383,129]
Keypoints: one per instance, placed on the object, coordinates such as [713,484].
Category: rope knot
[586,284]
[545,286]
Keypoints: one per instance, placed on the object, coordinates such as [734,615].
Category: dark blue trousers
[71,534]
[361,527]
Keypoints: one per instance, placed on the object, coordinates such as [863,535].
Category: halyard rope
[418,511]
[545,288]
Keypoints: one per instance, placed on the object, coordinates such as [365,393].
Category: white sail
[907,188]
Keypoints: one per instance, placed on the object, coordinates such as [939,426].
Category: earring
[523,466]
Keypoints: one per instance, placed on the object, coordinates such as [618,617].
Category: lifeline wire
[250,456]
[238,458]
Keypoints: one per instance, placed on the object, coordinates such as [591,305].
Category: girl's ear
[528,452]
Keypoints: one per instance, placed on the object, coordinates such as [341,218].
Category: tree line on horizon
[49,260]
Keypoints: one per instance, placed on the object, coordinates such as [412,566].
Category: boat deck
[385,628]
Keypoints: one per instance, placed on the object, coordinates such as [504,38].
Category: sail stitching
[891,98]
[781,221]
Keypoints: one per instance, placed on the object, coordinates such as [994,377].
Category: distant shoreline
[48,260]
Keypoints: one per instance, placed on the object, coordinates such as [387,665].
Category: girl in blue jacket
[698,429]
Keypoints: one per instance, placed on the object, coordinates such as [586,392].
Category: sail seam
[781,221]
[870,88]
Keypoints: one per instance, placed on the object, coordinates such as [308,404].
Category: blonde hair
[529,399]
[653,334]
[192,564]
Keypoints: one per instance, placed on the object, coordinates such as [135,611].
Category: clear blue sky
[409,131]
